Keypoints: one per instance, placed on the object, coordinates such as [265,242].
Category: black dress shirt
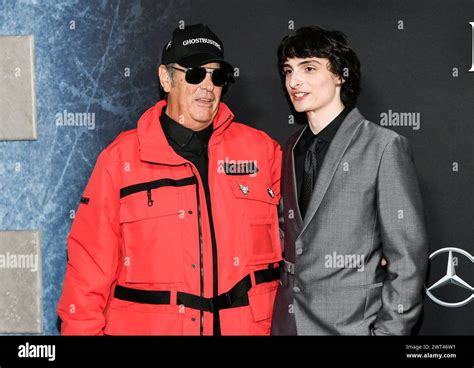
[190,145]
[326,136]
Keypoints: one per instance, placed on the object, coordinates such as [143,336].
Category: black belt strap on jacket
[235,297]
[142,296]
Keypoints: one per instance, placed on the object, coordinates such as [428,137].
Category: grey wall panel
[17,88]
[20,286]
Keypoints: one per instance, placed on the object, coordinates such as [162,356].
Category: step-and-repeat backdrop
[85,71]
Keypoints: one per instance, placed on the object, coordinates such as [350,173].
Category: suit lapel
[291,175]
[333,156]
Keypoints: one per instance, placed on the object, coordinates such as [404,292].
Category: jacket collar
[152,141]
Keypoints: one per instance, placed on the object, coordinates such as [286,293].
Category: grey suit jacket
[366,204]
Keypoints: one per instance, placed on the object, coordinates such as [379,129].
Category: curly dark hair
[315,41]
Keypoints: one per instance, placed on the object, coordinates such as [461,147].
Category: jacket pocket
[261,306]
[364,286]
[256,202]
[152,236]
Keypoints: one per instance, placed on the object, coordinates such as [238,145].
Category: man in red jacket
[177,230]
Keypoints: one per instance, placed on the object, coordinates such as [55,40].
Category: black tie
[309,175]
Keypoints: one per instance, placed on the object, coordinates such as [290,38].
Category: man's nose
[207,82]
[294,81]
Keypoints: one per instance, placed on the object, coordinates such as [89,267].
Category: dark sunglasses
[197,74]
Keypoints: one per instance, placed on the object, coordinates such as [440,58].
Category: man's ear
[165,78]
[338,79]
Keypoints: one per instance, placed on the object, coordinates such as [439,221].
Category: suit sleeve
[404,240]
[281,222]
[93,247]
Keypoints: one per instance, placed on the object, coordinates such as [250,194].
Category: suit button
[194,265]
[296,289]
[299,251]
[193,319]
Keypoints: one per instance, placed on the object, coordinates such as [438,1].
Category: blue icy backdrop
[83,50]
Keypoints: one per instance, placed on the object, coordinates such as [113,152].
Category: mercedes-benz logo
[451,278]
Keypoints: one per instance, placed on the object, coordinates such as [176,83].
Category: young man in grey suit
[350,199]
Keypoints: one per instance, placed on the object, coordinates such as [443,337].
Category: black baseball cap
[194,45]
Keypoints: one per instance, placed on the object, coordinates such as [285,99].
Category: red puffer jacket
[141,258]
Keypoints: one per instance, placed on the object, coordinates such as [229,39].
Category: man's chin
[300,109]
[203,120]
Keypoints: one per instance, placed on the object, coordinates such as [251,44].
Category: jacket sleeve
[93,249]
[404,240]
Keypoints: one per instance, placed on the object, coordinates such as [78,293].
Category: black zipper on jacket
[215,286]
[201,257]
[215,268]
[216,317]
